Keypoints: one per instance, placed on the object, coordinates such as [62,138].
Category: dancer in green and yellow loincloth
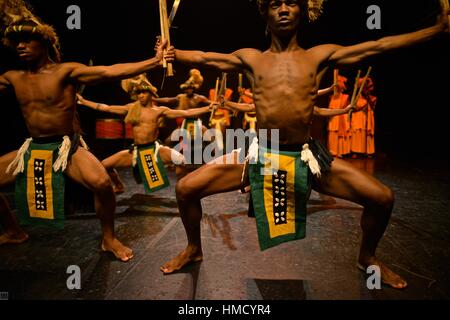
[146,156]
[284,78]
[45,89]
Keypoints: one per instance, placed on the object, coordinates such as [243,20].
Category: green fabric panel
[57,185]
[301,187]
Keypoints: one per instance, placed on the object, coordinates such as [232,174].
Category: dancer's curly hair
[16,18]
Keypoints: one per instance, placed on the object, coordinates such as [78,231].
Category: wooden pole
[335,81]
[216,99]
[355,87]
[216,90]
[240,86]
[361,88]
[352,103]
[165,35]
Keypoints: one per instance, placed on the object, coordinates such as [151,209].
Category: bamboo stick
[240,87]
[361,88]
[335,81]
[352,103]
[216,90]
[216,98]
[355,87]
[165,35]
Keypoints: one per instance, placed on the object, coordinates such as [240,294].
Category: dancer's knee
[106,164]
[101,184]
[184,190]
[385,198]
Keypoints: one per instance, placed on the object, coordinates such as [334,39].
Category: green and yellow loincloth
[151,168]
[40,181]
[279,196]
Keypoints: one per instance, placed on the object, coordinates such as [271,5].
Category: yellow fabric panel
[33,207]
[160,180]
[285,163]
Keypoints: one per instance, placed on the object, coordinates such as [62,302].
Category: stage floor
[322,266]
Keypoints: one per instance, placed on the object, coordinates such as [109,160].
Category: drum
[109,129]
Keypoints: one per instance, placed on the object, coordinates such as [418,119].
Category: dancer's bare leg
[13,234]
[166,156]
[347,182]
[122,159]
[87,170]
[210,179]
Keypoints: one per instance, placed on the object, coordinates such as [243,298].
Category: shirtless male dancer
[285,79]
[144,118]
[189,99]
[46,92]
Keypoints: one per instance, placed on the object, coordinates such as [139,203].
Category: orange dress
[363,127]
[224,113]
[339,127]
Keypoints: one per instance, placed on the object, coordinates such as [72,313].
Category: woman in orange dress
[363,123]
[338,126]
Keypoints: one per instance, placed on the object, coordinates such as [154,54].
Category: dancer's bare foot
[118,249]
[13,238]
[388,276]
[184,258]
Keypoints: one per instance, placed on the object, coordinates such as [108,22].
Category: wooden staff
[218,92]
[240,85]
[165,35]
[363,84]
[216,98]
[445,5]
[355,90]
[174,11]
[335,81]
[355,87]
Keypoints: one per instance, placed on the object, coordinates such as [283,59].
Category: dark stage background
[412,84]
